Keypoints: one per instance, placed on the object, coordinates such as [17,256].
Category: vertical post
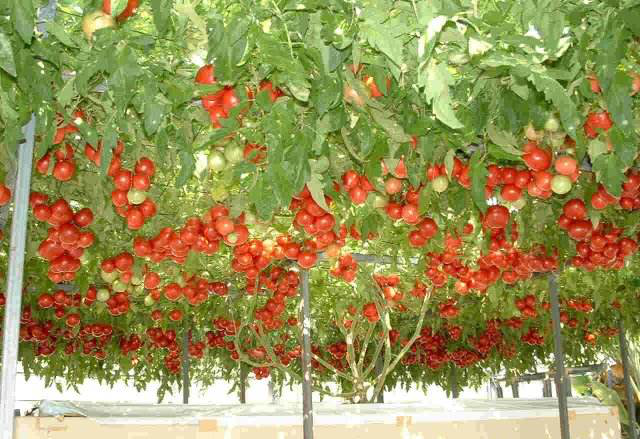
[379,367]
[628,385]
[547,391]
[609,378]
[186,383]
[455,390]
[515,390]
[243,383]
[499,391]
[558,349]
[307,402]
[272,391]
[15,275]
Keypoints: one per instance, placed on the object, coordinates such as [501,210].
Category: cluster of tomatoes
[220,104]
[337,355]
[161,339]
[224,328]
[600,247]
[60,300]
[283,284]
[419,289]
[65,166]
[533,337]
[194,289]
[370,312]
[527,306]
[346,268]
[597,121]
[43,334]
[437,175]
[260,372]
[195,348]
[582,304]
[130,344]
[312,218]
[629,199]
[118,303]
[431,348]
[503,261]
[390,290]
[465,357]
[5,194]
[91,340]
[65,242]
[449,309]
[117,273]
[130,197]
[357,186]
[200,235]
[250,258]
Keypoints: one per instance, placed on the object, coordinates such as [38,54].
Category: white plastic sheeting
[324,414]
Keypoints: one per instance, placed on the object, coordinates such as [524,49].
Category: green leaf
[187,167]
[299,89]
[108,144]
[23,18]
[389,45]
[619,103]
[317,191]
[436,90]
[161,14]
[153,115]
[282,187]
[479,174]
[624,146]
[611,49]
[448,161]
[554,92]
[503,138]
[263,197]
[610,173]
[60,33]
[67,93]
[500,153]
[7,63]
[631,18]
[596,147]
[325,93]
[393,128]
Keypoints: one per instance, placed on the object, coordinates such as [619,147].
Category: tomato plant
[192,160]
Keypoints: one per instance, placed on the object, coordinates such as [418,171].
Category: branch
[387,368]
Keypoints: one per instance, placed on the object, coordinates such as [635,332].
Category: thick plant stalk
[387,368]
[322,361]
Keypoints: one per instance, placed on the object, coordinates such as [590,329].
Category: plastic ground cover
[324,414]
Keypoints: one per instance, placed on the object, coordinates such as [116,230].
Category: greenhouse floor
[467,419]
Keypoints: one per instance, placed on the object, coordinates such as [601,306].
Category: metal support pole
[15,275]
[186,382]
[515,390]
[307,402]
[547,391]
[455,390]
[558,349]
[378,370]
[628,385]
[243,383]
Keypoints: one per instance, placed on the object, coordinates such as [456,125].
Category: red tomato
[205,75]
[496,217]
